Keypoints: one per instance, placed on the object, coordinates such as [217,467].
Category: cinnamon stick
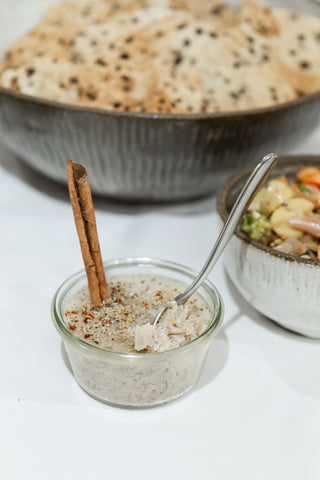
[85,220]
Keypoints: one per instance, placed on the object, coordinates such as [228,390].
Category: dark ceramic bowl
[283,287]
[144,156]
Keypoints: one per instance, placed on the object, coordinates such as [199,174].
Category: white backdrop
[255,414]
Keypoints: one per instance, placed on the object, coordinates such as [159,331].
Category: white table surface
[255,413]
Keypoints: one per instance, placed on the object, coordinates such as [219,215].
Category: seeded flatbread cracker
[173,56]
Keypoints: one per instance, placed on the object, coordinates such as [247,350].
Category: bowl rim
[286,160]
[67,335]
[158,115]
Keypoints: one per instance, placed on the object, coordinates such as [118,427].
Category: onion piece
[292,246]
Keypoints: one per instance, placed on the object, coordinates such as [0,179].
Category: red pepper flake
[67,313]
[90,315]
[73,328]
[85,320]
[170,308]
[118,299]
[84,312]
[73,312]
[146,304]
[158,294]
[87,335]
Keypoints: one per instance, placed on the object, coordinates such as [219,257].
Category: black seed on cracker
[218,9]
[91,95]
[101,62]
[304,65]
[177,58]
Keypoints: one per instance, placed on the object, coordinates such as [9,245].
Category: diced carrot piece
[307,172]
[312,180]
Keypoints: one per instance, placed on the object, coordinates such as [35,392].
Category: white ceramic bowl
[283,287]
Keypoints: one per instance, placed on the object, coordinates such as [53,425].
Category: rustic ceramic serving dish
[283,287]
[160,157]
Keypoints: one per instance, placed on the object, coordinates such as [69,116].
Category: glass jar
[138,379]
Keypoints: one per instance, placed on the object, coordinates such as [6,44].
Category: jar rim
[69,336]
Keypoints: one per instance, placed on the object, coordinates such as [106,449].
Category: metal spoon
[244,199]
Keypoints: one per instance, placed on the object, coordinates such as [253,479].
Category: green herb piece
[305,253]
[304,189]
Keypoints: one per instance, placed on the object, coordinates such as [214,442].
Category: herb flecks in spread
[124,322]
[287,216]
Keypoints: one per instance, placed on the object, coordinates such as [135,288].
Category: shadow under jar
[137,379]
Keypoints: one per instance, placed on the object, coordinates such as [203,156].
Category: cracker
[174,56]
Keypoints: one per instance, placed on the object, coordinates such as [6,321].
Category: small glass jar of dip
[137,380]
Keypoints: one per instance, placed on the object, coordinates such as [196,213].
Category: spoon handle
[256,179]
